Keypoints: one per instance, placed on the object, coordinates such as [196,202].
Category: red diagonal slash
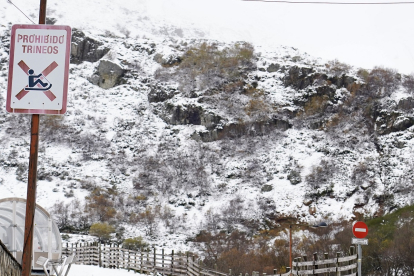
[45,72]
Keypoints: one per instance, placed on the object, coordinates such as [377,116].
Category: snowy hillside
[168,133]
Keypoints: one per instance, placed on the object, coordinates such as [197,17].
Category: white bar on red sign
[360,230]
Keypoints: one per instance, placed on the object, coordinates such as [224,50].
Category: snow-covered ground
[112,137]
[89,270]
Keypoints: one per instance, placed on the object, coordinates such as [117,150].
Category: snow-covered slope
[285,136]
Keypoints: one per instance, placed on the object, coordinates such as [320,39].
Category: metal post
[31,183]
[290,247]
[359,260]
[31,197]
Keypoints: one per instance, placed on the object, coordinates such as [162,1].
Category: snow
[88,270]
[385,42]
[123,120]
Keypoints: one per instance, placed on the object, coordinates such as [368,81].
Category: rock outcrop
[108,74]
[85,48]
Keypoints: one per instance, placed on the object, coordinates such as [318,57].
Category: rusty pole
[290,249]
[31,183]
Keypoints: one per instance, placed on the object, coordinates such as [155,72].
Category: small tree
[102,230]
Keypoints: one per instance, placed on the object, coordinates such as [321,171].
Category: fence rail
[9,266]
[113,256]
[339,266]
[149,261]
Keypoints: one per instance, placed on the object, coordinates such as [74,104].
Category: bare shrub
[70,217]
[232,213]
[361,175]
[206,66]
[149,218]
[337,68]
[408,83]
[241,253]
[321,174]
[380,82]
[100,204]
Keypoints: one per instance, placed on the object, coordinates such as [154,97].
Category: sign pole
[359,260]
[31,184]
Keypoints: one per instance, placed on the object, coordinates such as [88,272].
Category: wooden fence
[151,261]
[339,266]
[9,266]
[146,261]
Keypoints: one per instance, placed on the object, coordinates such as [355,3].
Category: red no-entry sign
[360,230]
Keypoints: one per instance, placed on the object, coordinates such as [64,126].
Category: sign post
[37,84]
[360,231]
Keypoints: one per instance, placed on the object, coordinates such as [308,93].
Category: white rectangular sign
[38,69]
[360,241]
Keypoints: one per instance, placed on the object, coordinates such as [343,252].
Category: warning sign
[38,69]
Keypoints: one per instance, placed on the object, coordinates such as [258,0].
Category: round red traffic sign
[360,230]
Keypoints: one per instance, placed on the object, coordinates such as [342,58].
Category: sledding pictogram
[37,81]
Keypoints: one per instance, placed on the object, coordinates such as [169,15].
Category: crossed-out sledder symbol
[39,83]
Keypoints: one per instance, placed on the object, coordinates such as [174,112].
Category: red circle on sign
[360,230]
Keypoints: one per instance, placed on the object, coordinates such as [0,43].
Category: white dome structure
[46,239]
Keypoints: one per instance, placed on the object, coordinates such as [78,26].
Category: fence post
[148,262]
[141,261]
[162,253]
[155,258]
[305,259]
[128,252]
[351,252]
[338,273]
[230,272]
[103,254]
[274,271]
[89,253]
[315,259]
[111,258]
[298,268]
[99,255]
[135,261]
[172,262]
[326,265]
[117,254]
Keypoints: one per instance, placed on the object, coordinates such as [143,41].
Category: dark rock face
[342,81]
[85,48]
[168,61]
[233,130]
[216,129]
[298,77]
[388,122]
[190,115]
[273,68]
[267,188]
[302,77]
[294,177]
[108,74]
[406,104]
[160,94]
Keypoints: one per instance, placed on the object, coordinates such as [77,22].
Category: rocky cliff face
[85,48]
[195,128]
